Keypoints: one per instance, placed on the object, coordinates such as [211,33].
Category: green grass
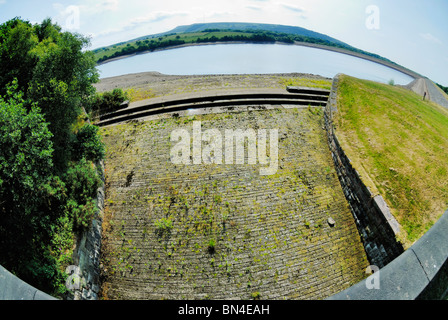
[399,145]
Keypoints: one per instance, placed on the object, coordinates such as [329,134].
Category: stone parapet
[421,272]
[13,288]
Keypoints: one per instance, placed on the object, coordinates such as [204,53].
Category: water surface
[252,59]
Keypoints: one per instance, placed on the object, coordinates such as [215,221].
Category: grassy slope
[399,145]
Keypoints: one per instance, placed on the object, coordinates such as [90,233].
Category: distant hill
[225,32]
[198,27]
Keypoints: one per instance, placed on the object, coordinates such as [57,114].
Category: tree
[52,70]
[45,79]
[61,83]
[25,178]
[82,184]
[88,144]
[17,61]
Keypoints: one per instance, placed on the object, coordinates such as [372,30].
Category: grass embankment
[398,143]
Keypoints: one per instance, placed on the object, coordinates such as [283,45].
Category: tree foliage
[47,190]
[82,183]
[30,195]
[52,70]
[87,144]
[445,89]
[106,102]
[25,155]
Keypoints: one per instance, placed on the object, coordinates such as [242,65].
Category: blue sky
[413,33]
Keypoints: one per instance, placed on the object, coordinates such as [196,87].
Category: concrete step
[161,105]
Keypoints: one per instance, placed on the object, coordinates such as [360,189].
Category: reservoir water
[252,59]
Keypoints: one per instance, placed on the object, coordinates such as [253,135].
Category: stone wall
[421,272]
[376,225]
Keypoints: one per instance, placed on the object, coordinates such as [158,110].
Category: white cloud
[137,22]
[107,5]
[429,37]
[292,7]
[155,17]
[252,7]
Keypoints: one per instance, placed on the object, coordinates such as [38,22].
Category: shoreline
[156,84]
[399,68]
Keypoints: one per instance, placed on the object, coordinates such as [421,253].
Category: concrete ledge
[421,272]
[384,209]
[12,288]
[215,98]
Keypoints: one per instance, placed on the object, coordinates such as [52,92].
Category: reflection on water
[252,59]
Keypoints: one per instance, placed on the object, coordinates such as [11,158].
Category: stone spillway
[223,231]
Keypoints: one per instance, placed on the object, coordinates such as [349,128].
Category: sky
[412,33]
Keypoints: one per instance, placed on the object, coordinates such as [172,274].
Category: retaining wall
[376,225]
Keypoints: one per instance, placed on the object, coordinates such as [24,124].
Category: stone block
[382,206]
[432,248]
[401,279]
[13,288]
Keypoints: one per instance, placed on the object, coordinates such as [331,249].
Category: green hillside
[398,143]
[292,30]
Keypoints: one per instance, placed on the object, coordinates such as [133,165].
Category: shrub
[255,295]
[82,183]
[88,144]
[106,102]
[82,214]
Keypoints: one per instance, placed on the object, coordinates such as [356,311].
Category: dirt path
[422,85]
